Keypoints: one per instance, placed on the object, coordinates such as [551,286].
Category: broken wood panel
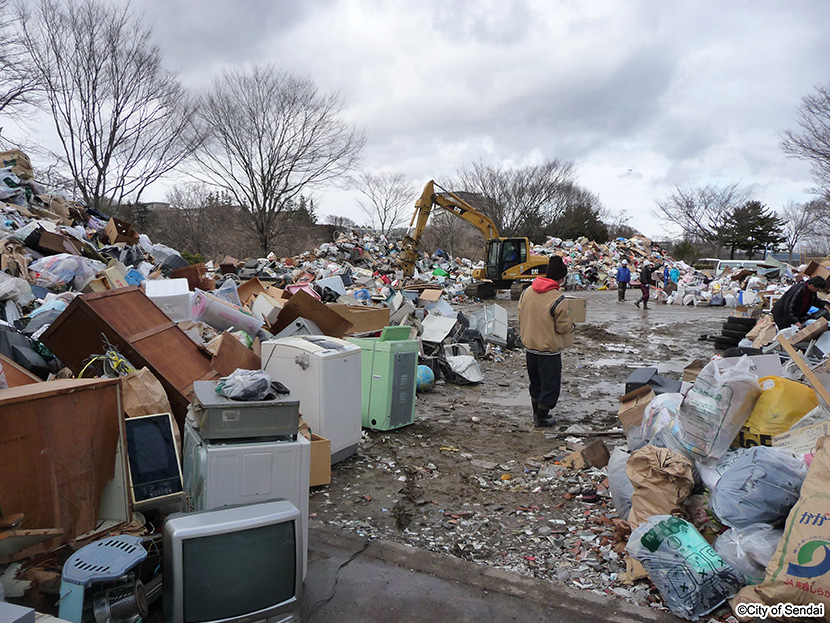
[140,331]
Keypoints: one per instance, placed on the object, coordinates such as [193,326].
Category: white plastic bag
[59,270]
[690,575]
[619,484]
[749,549]
[761,486]
[715,408]
[659,412]
[245,385]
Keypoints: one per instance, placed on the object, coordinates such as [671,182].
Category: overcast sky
[642,95]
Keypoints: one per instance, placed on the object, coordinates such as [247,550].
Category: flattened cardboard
[231,354]
[431,295]
[577,308]
[802,440]
[364,319]
[320,461]
[303,305]
[691,371]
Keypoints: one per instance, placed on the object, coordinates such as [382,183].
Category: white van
[732,264]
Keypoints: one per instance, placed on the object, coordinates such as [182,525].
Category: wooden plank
[16,374]
[808,373]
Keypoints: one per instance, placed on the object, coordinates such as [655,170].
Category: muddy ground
[472,478]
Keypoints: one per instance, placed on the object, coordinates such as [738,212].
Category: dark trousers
[545,372]
[621,286]
[645,291]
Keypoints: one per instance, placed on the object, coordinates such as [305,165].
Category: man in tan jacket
[546,329]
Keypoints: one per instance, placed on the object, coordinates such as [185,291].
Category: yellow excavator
[508,262]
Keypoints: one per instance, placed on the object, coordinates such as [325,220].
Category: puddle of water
[514,400]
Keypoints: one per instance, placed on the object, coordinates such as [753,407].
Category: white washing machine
[324,373]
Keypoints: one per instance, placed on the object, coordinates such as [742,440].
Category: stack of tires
[734,330]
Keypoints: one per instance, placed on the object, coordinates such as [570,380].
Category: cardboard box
[576,307]
[633,406]
[250,288]
[19,162]
[363,318]
[115,278]
[810,332]
[320,461]
[802,440]
[814,269]
[120,231]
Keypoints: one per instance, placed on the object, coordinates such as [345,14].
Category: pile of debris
[723,475]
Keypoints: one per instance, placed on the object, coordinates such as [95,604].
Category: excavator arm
[450,202]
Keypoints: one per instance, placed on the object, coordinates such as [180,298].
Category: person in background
[666,277]
[646,281]
[546,329]
[674,274]
[793,307]
[623,280]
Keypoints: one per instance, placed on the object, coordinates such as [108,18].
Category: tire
[739,328]
[747,322]
[739,335]
[722,343]
[739,351]
[517,288]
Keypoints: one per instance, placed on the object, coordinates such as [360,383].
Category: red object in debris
[530,558]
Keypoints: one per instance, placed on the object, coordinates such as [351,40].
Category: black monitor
[153,459]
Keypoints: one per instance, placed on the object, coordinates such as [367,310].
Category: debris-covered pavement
[474,479]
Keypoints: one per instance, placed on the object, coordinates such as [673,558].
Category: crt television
[236,564]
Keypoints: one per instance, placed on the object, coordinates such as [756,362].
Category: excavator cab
[504,253]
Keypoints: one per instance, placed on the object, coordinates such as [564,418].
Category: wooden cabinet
[140,331]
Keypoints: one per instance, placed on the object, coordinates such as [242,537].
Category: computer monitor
[235,564]
[153,461]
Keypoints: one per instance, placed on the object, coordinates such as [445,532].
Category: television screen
[151,451]
[229,575]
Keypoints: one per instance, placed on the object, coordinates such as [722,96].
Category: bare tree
[122,119]
[800,220]
[390,199]
[519,200]
[343,222]
[269,137]
[18,81]
[811,141]
[703,212]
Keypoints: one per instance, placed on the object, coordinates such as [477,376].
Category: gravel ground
[473,479]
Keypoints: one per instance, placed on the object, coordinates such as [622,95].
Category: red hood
[543,284]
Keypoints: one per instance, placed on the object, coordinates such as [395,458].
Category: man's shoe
[637,302]
[645,304]
[544,422]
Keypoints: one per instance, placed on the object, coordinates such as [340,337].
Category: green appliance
[388,369]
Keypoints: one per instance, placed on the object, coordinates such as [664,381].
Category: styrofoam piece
[172,296]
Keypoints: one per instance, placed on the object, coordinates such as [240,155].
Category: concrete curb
[490,579]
